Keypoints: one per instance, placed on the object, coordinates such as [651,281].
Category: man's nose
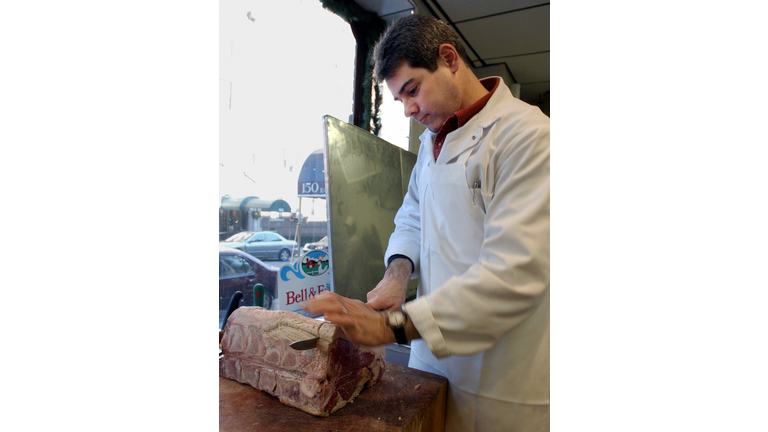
[410,108]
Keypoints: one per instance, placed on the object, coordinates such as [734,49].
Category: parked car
[321,244]
[266,245]
[239,271]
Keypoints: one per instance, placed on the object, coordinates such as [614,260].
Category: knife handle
[234,302]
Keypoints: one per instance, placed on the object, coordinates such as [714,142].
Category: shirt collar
[490,84]
[461,117]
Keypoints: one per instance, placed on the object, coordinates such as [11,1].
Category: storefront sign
[302,280]
[312,189]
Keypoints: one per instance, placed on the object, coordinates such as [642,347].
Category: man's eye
[412,91]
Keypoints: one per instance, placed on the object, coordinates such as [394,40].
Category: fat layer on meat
[319,381]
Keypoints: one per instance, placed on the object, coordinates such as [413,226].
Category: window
[242,237]
[225,270]
[233,265]
[395,126]
[243,267]
[283,66]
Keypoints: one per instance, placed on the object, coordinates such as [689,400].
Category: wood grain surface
[405,399]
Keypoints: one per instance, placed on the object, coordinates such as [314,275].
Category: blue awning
[312,176]
[252,203]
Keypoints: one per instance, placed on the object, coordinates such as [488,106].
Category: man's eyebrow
[402,88]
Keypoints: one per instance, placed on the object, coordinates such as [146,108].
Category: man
[474,227]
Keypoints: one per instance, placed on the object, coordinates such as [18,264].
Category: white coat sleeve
[474,310]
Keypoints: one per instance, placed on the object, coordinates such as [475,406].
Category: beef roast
[319,380]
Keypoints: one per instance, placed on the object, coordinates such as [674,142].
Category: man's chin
[434,124]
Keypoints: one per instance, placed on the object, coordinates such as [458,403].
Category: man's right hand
[389,294]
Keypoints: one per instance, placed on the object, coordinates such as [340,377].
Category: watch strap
[398,330]
[400,335]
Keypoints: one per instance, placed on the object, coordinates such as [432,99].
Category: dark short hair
[415,39]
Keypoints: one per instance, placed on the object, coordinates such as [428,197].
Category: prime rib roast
[319,380]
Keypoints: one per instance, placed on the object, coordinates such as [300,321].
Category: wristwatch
[396,321]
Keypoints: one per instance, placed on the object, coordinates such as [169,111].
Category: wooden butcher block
[405,399]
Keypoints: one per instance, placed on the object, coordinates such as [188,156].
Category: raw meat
[319,380]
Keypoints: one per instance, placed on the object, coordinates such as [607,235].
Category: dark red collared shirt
[461,117]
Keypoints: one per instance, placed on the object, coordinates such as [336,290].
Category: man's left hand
[359,322]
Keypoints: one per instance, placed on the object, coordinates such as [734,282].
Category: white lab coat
[482,255]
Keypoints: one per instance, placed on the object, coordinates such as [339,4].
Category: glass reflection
[367,178]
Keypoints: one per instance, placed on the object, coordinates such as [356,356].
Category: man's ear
[450,56]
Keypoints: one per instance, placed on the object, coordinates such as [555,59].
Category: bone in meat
[319,381]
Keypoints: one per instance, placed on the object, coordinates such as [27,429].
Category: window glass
[227,265]
[225,270]
[283,65]
[233,265]
[240,237]
[244,267]
[395,126]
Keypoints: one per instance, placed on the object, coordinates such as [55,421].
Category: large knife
[234,302]
[305,344]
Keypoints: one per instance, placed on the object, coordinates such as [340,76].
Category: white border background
[109,133]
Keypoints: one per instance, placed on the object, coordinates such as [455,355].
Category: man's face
[428,97]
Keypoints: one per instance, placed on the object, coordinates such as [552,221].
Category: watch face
[396,319]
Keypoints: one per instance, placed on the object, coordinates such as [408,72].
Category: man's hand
[359,322]
[389,294]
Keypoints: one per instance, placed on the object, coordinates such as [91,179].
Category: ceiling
[501,36]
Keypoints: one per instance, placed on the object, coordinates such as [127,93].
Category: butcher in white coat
[474,228]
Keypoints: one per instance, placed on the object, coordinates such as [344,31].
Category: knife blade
[305,344]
